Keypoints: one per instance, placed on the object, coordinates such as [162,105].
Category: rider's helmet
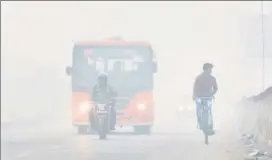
[207,66]
[102,79]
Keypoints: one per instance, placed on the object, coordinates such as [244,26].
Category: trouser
[199,108]
[113,117]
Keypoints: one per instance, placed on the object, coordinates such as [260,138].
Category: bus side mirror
[68,71]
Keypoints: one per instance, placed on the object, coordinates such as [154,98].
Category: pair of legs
[199,106]
[113,118]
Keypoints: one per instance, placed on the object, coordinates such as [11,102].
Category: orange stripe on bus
[108,43]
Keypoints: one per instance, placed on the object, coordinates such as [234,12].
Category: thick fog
[37,40]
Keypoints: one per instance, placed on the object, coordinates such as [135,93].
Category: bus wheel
[82,130]
[142,129]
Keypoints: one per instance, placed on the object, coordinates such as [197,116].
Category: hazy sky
[183,34]
[44,32]
[172,27]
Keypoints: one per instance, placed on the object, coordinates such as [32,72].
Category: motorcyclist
[103,93]
[205,85]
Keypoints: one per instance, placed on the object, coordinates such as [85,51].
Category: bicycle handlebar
[213,98]
[206,97]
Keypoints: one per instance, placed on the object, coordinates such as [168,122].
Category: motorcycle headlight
[141,107]
[84,107]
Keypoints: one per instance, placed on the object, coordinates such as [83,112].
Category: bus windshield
[111,58]
[127,66]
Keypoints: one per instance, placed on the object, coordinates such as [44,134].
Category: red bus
[130,67]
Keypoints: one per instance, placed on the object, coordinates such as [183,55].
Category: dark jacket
[205,85]
[103,94]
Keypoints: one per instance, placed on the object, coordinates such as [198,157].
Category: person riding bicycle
[205,85]
[103,93]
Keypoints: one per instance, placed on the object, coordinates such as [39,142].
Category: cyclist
[205,85]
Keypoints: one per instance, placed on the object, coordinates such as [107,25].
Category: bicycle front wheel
[205,125]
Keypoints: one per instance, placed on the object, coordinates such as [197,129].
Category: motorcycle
[102,119]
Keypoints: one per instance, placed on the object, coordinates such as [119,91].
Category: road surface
[67,145]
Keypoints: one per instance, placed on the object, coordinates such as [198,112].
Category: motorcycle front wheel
[103,128]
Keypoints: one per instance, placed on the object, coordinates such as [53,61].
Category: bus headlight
[141,107]
[84,107]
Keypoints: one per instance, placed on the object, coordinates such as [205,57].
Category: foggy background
[37,40]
